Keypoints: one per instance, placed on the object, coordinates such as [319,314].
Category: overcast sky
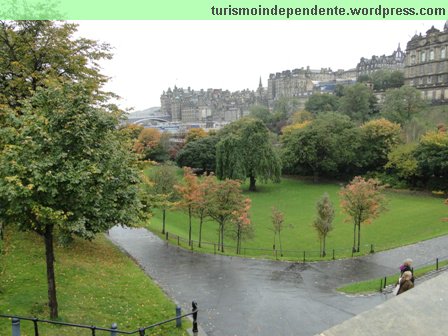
[151,56]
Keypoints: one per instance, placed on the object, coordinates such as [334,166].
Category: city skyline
[151,56]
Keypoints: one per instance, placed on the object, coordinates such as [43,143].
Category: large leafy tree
[319,102]
[64,168]
[431,154]
[401,105]
[200,154]
[358,102]
[362,200]
[245,151]
[325,146]
[378,138]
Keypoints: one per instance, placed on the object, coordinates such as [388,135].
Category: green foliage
[244,151]
[318,103]
[326,146]
[262,113]
[36,54]
[67,166]
[199,154]
[432,154]
[378,138]
[358,102]
[401,105]
[402,162]
[386,79]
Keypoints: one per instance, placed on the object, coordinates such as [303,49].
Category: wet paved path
[239,296]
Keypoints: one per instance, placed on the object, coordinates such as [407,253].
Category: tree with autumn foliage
[278,224]
[200,204]
[147,141]
[164,179]
[194,134]
[362,200]
[225,201]
[324,220]
[242,227]
[188,192]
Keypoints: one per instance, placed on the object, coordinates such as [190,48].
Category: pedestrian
[407,266]
[405,282]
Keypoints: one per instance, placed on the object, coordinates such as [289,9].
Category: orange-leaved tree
[243,228]
[188,192]
[362,200]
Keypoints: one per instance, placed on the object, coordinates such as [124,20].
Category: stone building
[301,83]
[427,64]
[189,106]
[367,66]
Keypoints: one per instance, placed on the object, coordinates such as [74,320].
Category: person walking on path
[405,282]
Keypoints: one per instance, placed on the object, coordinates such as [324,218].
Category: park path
[238,296]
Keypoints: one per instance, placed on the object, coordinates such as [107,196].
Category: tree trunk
[359,235]
[354,239]
[252,183]
[49,255]
[280,243]
[315,176]
[222,237]
[238,240]
[163,221]
[200,231]
[323,247]
[189,230]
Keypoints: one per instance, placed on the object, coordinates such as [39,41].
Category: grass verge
[96,285]
[373,285]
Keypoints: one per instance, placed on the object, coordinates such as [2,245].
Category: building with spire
[395,61]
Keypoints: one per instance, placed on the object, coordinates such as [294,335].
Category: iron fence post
[385,281]
[195,317]
[15,326]
[437,264]
[371,249]
[36,327]
[141,332]
[178,319]
[333,254]
[114,327]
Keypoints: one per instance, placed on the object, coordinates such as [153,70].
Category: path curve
[238,296]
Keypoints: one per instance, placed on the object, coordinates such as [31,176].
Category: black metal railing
[113,330]
[387,283]
[275,251]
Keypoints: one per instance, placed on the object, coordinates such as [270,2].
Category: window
[423,56]
[443,52]
[431,55]
[429,79]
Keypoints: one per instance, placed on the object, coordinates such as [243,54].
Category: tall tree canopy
[64,166]
[245,151]
[401,105]
[66,169]
[325,146]
[358,102]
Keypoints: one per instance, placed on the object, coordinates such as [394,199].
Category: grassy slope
[96,285]
[409,219]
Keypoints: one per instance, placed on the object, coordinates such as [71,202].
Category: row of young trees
[204,198]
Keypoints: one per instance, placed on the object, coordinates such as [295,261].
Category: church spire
[260,85]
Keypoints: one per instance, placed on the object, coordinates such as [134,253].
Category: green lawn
[409,219]
[96,285]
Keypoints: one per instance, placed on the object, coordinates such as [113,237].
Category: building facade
[427,64]
[367,66]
